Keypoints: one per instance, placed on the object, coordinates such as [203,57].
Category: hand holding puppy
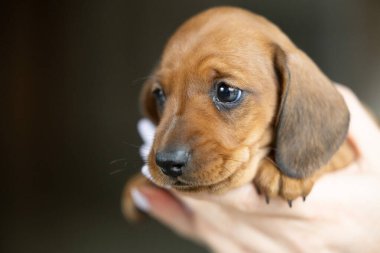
[239,109]
[341,214]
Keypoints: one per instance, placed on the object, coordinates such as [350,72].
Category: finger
[145,171]
[363,128]
[244,198]
[163,206]
[144,151]
[146,130]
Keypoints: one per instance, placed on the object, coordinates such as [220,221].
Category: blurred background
[70,74]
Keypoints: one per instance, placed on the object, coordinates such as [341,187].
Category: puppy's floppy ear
[148,103]
[312,120]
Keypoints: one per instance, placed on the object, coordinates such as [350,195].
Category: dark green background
[70,73]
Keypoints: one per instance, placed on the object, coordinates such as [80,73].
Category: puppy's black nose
[172,162]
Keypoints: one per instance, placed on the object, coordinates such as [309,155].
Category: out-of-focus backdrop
[70,74]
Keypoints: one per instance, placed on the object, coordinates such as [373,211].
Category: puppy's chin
[194,186]
[217,187]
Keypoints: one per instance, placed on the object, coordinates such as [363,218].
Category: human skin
[341,214]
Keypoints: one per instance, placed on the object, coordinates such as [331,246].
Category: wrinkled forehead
[215,55]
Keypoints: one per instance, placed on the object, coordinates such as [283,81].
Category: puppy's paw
[292,188]
[268,180]
[129,208]
[271,182]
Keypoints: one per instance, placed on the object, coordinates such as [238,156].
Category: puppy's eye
[160,97]
[227,94]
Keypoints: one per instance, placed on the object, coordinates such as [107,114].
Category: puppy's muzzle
[172,162]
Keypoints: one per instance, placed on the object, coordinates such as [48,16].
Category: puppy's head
[229,88]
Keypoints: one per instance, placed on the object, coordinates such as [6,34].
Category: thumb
[363,128]
[164,207]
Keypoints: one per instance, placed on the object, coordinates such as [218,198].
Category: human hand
[341,214]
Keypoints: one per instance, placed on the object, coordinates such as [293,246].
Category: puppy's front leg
[271,182]
[129,208]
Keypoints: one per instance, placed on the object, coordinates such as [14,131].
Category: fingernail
[145,171]
[140,200]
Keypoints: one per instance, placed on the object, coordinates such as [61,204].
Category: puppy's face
[215,97]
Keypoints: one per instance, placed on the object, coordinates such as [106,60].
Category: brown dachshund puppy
[235,101]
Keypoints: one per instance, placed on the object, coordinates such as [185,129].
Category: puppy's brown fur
[289,129]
